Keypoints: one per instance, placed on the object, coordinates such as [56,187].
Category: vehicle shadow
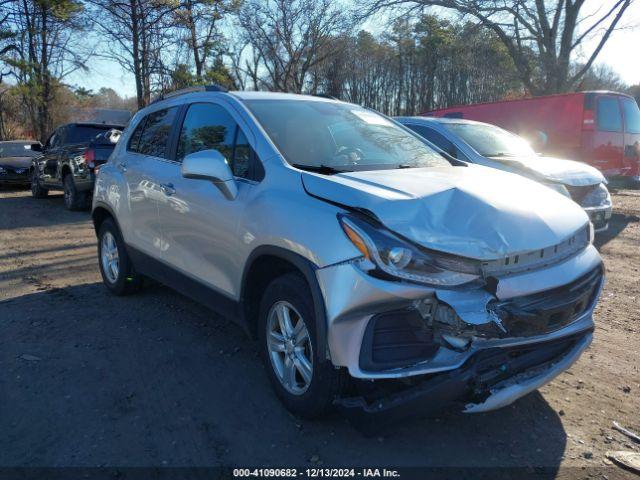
[617,224]
[35,212]
[155,379]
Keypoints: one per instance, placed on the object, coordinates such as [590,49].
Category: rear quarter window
[608,115]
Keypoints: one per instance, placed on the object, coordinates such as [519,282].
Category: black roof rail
[197,88]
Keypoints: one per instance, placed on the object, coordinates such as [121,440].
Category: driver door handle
[167,189]
[122,167]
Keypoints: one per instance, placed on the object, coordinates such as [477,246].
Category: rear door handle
[167,189]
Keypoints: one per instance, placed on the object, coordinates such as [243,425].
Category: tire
[307,399]
[37,190]
[121,280]
[73,199]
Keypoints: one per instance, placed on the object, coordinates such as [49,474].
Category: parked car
[15,161]
[494,147]
[377,273]
[69,160]
[599,128]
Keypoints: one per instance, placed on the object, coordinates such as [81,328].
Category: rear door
[608,137]
[49,161]
[631,117]
[147,151]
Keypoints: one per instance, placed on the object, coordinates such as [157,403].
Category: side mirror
[36,147]
[212,166]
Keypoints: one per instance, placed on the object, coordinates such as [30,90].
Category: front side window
[631,115]
[153,139]
[208,126]
[609,119]
[344,137]
[491,141]
[436,138]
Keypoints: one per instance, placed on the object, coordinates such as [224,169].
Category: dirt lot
[88,379]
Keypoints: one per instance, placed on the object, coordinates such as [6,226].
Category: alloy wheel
[290,349]
[109,257]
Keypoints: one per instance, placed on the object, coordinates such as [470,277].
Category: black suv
[69,158]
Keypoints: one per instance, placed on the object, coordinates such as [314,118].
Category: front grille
[536,259]
[550,310]
[396,339]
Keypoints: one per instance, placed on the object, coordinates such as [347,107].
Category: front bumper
[353,299]
[15,176]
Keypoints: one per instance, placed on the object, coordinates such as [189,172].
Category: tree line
[416,59]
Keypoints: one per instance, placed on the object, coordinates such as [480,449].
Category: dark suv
[69,158]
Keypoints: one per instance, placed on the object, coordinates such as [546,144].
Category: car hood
[15,162]
[471,211]
[557,170]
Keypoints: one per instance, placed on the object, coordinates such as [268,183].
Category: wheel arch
[100,213]
[265,264]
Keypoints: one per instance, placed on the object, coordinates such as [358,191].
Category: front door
[49,160]
[608,138]
[200,225]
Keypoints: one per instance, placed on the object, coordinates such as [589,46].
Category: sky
[618,53]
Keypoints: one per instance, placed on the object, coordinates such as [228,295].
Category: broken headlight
[597,197]
[394,256]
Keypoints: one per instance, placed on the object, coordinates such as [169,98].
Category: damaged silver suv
[377,274]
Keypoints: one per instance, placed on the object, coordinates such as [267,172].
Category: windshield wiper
[322,169]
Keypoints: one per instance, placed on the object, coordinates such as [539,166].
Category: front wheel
[37,191]
[304,380]
[115,266]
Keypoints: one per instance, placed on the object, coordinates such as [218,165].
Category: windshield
[338,136]
[490,141]
[17,150]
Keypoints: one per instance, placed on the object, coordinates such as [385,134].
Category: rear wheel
[304,380]
[73,199]
[115,265]
[37,191]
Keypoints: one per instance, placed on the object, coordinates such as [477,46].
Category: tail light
[588,120]
[90,157]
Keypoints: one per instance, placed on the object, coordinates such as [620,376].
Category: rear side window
[609,119]
[151,136]
[210,127]
[631,115]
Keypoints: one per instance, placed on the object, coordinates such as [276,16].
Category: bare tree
[39,47]
[138,35]
[541,36]
[290,37]
[200,19]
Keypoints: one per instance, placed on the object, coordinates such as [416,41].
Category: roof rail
[197,88]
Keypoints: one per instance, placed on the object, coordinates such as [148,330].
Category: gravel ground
[88,379]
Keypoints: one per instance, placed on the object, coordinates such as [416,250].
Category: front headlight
[597,197]
[391,255]
[2,170]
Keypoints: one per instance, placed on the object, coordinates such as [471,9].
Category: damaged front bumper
[434,344]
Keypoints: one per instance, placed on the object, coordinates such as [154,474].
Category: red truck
[600,128]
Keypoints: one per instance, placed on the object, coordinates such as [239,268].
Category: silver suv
[378,274]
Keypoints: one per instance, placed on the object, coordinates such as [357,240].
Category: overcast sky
[618,53]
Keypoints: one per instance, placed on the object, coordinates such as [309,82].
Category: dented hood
[473,211]
[557,170]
